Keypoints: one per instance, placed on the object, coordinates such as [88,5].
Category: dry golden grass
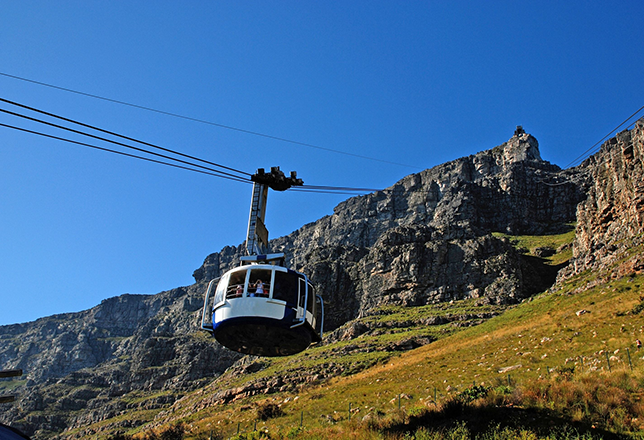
[550,355]
[544,340]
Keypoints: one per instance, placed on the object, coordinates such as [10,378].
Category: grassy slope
[536,339]
[543,334]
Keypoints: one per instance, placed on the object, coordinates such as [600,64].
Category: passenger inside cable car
[236,285]
[256,287]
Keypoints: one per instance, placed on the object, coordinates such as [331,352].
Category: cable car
[261,307]
[265,309]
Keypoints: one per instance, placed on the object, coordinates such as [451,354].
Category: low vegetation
[563,365]
[173,432]
[553,248]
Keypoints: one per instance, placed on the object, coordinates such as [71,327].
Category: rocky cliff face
[496,190]
[610,221]
[124,327]
[60,344]
[426,239]
[77,365]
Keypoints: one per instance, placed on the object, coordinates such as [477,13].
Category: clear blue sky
[418,83]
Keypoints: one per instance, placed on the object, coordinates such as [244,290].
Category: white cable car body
[261,307]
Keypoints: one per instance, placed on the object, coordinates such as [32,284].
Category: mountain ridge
[426,240]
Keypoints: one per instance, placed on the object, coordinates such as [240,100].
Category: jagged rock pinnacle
[521,146]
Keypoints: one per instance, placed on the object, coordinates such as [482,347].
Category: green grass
[371,348]
[137,397]
[396,314]
[545,336]
[528,244]
[558,373]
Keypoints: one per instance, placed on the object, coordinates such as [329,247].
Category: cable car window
[236,284]
[302,293]
[220,293]
[259,283]
[286,287]
[310,301]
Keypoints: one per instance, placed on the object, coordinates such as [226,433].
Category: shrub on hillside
[473,393]
[268,410]
[174,432]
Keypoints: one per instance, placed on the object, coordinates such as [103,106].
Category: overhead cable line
[316,191]
[143,150]
[121,136]
[209,171]
[588,152]
[339,188]
[121,153]
[567,181]
[203,121]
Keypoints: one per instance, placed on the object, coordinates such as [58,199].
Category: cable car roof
[274,259]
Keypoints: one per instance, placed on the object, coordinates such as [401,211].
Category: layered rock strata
[610,221]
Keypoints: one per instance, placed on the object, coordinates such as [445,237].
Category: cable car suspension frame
[262,307]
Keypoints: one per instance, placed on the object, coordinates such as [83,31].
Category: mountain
[437,237]
[428,238]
